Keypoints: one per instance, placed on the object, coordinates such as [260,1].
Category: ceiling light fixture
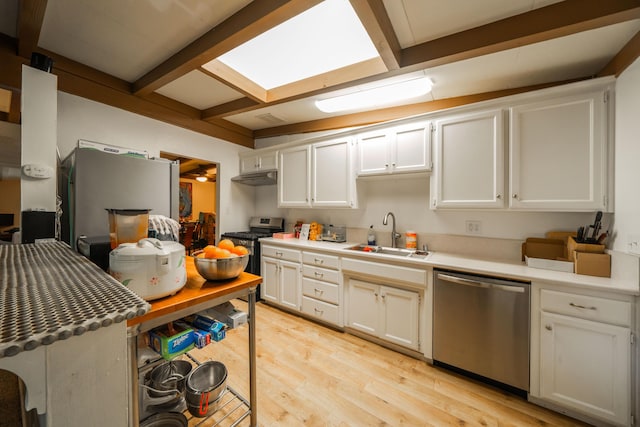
[201,178]
[377,96]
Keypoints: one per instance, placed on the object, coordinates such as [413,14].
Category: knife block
[573,247]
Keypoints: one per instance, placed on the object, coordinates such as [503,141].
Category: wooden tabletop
[197,290]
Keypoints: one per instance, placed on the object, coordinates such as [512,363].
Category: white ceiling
[129,38]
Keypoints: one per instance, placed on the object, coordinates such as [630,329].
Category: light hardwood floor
[314,376]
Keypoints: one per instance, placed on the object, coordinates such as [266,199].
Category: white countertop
[624,273]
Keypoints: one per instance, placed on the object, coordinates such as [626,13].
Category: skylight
[324,38]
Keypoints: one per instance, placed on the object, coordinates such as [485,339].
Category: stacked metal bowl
[205,387]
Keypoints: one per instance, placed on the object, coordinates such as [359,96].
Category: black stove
[258,227]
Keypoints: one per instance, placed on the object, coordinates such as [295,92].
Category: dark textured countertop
[49,293]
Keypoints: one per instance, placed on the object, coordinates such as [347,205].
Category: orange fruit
[209,251]
[240,250]
[222,253]
[226,244]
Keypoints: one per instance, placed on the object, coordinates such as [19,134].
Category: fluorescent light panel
[377,97]
[322,39]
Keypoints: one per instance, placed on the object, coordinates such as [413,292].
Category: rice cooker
[151,268]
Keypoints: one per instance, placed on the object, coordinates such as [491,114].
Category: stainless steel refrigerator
[93,181]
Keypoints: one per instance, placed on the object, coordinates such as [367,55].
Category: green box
[170,346]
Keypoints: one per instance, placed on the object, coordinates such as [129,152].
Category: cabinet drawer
[332,276]
[321,260]
[322,310]
[321,290]
[586,307]
[280,253]
[414,277]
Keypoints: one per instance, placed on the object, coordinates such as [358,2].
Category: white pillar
[39,137]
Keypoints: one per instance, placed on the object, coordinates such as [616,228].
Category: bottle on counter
[411,239]
[371,237]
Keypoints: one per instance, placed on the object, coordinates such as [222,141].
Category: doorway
[199,201]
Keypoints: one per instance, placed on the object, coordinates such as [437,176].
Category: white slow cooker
[151,268]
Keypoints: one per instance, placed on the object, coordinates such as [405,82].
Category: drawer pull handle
[278,253]
[582,306]
[318,311]
[315,273]
[548,327]
[318,291]
[318,261]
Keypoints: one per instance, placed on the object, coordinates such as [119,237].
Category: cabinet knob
[548,327]
[498,196]
[515,196]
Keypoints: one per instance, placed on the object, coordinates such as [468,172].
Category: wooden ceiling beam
[546,23]
[627,55]
[230,77]
[254,19]
[376,22]
[236,106]
[393,113]
[30,18]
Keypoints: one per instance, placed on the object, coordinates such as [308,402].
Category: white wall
[408,199]
[627,158]
[79,118]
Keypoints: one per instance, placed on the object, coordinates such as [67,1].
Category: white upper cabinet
[294,176]
[396,149]
[469,161]
[558,153]
[254,162]
[333,183]
[318,175]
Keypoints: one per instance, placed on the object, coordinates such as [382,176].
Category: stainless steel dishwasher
[481,325]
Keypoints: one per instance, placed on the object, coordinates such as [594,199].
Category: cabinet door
[557,154]
[293,179]
[332,181]
[411,148]
[374,153]
[255,162]
[268,161]
[270,279]
[363,306]
[469,161]
[400,316]
[290,284]
[585,365]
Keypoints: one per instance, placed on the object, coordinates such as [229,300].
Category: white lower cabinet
[385,312]
[585,355]
[281,278]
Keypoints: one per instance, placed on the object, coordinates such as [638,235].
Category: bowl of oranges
[222,262]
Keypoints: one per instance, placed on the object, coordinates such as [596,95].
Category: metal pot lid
[165,419]
[146,247]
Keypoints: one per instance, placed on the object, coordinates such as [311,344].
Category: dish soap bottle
[371,237]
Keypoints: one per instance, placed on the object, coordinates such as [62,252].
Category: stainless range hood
[257,178]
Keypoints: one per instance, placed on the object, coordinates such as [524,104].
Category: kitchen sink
[384,250]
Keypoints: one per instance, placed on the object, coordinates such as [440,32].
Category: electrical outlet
[634,244]
[472,227]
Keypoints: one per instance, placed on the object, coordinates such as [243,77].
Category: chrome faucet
[394,235]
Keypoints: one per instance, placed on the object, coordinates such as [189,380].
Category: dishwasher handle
[479,283]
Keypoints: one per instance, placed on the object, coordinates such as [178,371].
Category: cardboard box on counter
[592,264]
[573,247]
[548,254]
